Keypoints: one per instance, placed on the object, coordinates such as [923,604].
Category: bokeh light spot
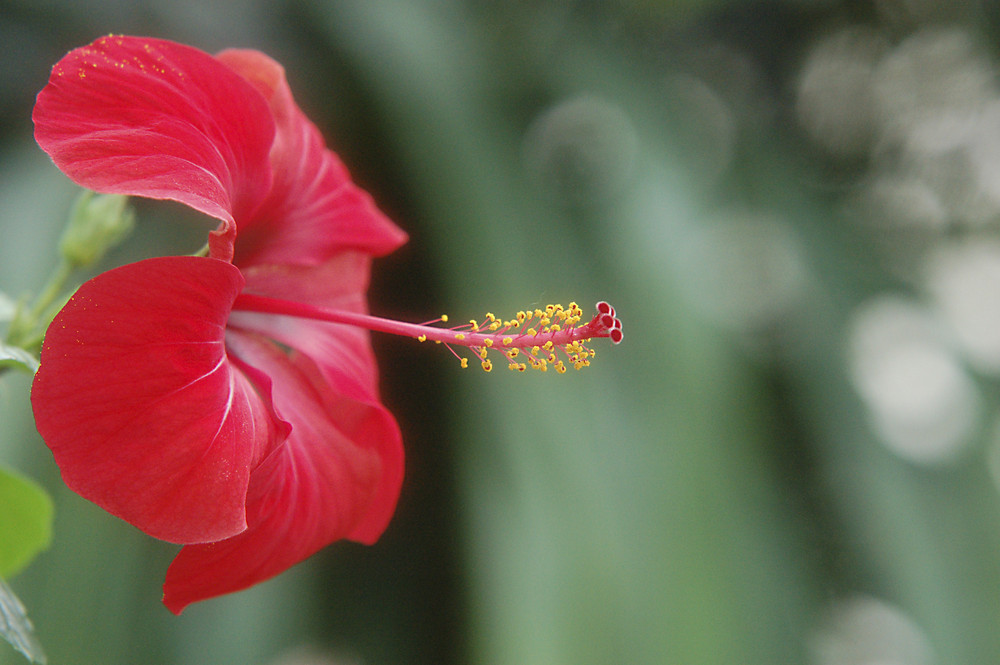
[866,631]
[920,400]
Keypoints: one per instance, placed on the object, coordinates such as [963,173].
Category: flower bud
[97,223]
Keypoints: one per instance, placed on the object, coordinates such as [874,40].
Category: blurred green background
[794,456]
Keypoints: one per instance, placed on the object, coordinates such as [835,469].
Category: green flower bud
[97,223]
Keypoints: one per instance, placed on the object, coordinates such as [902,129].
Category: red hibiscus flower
[254,440]
[228,402]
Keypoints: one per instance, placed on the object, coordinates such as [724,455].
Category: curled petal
[143,411]
[337,476]
[314,210]
[149,117]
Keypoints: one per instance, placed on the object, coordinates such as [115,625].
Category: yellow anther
[422,338]
[547,322]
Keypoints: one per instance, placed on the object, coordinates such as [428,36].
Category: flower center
[539,339]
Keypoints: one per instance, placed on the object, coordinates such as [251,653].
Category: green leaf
[17,358]
[25,521]
[15,626]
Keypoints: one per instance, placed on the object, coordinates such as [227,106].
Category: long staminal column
[542,337]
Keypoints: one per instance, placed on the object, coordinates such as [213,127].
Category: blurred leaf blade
[25,521]
[16,627]
[17,358]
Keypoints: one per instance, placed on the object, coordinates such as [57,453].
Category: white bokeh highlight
[921,401]
[866,631]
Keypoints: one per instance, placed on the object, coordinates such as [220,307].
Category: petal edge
[153,118]
[142,409]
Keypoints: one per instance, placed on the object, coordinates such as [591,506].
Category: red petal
[342,354]
[154,118]
[143,411]
[314,210]
[337,476]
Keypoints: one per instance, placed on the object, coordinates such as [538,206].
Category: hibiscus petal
[143,411]
[154,118]
[314,209]
[337,476]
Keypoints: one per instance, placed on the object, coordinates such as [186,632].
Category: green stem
[53,288]
[28,326]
